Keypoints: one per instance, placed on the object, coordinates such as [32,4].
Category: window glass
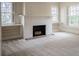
[6,13]
[73,15]
[54,11]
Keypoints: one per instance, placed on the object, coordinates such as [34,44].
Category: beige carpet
[60,44]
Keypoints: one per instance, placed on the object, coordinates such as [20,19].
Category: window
[73,15]
[6,13]
[54,11]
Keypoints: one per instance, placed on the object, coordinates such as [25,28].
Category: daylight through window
[73,15]
[6,13]
[54,14]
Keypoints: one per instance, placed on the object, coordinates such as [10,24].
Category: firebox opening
[39,30]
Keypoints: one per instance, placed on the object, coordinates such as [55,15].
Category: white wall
[63,18]
[17,10]
[40,17]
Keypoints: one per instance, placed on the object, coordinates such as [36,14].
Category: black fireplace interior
[39,30]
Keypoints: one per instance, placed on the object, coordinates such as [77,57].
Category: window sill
[74,27]
[11,25]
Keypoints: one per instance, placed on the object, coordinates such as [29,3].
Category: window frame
[12,22]
[68,16]
[56,15]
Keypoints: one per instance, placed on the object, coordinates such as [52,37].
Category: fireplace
[39,30]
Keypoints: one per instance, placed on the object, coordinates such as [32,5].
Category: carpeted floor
[59,44]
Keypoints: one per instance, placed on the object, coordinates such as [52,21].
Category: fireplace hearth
[39,30]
